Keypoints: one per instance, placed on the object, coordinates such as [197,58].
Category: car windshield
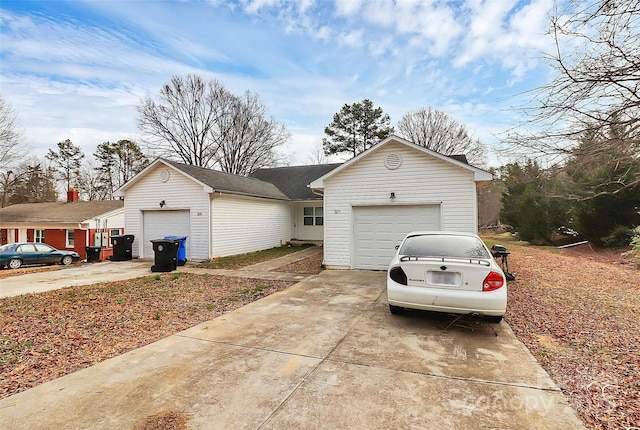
[7,247]
[440,245]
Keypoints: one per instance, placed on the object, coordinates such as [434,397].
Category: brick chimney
[72,195]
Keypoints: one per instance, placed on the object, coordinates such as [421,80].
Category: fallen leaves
[577,312]
[48,335]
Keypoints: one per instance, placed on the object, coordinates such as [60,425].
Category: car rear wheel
[67,259]
[493,319]
[396,310]
[14,263]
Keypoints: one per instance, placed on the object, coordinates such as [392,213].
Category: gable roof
[216,181]
[294,180]
[58,212]
[478,174]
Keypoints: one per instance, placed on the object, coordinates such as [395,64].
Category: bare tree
[11,148]
[247,140]
[317,156]
[205,125]
[596,88]
[185,121]
[437,131]
[90,185]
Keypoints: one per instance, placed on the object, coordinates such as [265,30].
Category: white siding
[112,219]
[244,224]
[307,232]
[419,180]
[179,193]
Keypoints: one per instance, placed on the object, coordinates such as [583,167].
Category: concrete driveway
[323,354]
[85,274]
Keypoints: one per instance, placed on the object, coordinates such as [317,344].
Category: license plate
[443,278]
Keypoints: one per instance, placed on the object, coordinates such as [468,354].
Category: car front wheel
[493,319]
[396,310]
[67,259]
[14,263]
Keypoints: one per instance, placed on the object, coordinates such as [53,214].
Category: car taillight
[397,275]
[493,281]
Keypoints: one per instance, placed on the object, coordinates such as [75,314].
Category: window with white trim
[70,238]
[38,236]
[313,215]
[114,232]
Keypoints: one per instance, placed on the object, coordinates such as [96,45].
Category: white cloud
[351,39]
[348,7]
[77,78]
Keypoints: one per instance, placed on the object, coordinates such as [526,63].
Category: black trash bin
[166,255]
[122,245]
[93,253]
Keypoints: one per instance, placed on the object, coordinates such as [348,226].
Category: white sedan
[446,272]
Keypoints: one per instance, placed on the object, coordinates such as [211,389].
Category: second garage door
[378,229]
[158,224]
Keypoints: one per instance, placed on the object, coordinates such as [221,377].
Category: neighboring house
[71,225]
[360,209]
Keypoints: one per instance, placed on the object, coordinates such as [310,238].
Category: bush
[619,237]
[635,243]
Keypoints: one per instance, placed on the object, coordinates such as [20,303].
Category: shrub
[619,237]
[635,243]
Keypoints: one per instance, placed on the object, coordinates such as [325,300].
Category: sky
[78,69]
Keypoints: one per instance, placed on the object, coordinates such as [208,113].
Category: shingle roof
[58,212]
[293,180]
[227,182]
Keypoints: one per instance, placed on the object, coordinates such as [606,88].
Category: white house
[374,199]
[359,209]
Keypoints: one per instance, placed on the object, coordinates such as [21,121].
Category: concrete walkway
[107,271]
[264,270]
[323,354]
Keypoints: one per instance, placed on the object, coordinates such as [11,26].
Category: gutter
[239,193]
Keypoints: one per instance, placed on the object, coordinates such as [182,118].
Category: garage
[378,229]
[158,224]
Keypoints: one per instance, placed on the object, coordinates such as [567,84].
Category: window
[41,247]
[70,238]
[313,215]
[39,236]
[114,232]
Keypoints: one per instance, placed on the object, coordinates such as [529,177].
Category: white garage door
[378,229]
[158,224]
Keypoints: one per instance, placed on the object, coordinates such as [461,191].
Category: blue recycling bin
[182,249]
